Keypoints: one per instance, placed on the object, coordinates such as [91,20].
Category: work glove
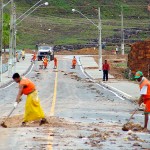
[15,105]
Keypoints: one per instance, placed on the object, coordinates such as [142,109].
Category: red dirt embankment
[139,57]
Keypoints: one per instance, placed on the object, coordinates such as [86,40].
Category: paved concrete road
[89,116]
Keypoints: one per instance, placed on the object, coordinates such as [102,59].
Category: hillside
[56,24]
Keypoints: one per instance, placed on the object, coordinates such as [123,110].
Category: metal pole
[14,40]
[1,37]
[28,14]
[28,10]
[11,40]
[100,39]
[122,32]
[87,18]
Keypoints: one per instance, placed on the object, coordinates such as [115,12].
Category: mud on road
[85,115]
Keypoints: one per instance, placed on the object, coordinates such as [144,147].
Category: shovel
[124,128]
[3,123]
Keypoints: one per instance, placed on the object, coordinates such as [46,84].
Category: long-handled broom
[3,123]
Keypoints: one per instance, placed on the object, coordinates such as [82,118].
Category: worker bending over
[45,62]
[33,109]
[74,62]
[144,85]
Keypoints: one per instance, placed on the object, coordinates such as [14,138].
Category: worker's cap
[138,74]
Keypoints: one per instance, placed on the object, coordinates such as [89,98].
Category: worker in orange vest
[144,85]
[33,109]
[55,63]
[74,62]
[45,62]
[34,57]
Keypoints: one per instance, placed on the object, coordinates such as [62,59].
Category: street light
[13,32]
[6,4]
[46,4]
[122,32]
[28,10]
[100,33]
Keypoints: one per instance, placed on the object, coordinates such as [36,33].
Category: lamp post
[13,24]
[122,32]
[6,3]
[1,37]
[100,33]
[11,40]
[28,10]
[46,4]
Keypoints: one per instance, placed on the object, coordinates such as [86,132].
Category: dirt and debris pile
[139,57]
[16,121]
[132,126]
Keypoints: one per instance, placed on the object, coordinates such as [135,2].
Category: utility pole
[122,32]
[100,39]
[14,39]
[1,37]
[11,40]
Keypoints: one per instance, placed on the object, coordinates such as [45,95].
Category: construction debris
[132,126]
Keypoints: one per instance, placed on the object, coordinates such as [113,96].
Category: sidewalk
[88,63]
[127,89]
[21,67]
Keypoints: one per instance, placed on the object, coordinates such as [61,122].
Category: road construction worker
[45,62]
[106,69]
[34,57]
[55,63]
[33,109]
[17,57]
[23,54]
[74,62]
[144,85]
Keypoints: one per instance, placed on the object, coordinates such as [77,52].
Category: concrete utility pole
[1,37]
[100,33]
[122,32]
[100,39]
[11,40]
[14,39]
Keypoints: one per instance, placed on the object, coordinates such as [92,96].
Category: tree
[6,31]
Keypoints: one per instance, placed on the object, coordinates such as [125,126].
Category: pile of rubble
[139,57]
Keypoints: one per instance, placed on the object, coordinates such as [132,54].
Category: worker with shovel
[33,109]
[144,85]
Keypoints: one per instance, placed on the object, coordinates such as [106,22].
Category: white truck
[45,50]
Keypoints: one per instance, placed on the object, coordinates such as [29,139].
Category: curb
[11,81]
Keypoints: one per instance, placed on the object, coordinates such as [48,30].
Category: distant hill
[56,24]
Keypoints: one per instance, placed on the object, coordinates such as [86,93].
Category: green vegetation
[71,28]
[6,28]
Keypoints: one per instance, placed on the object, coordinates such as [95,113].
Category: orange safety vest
[74,61]
[34,57]
[28,85]
[55,61]
[45,61]
[145,82]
